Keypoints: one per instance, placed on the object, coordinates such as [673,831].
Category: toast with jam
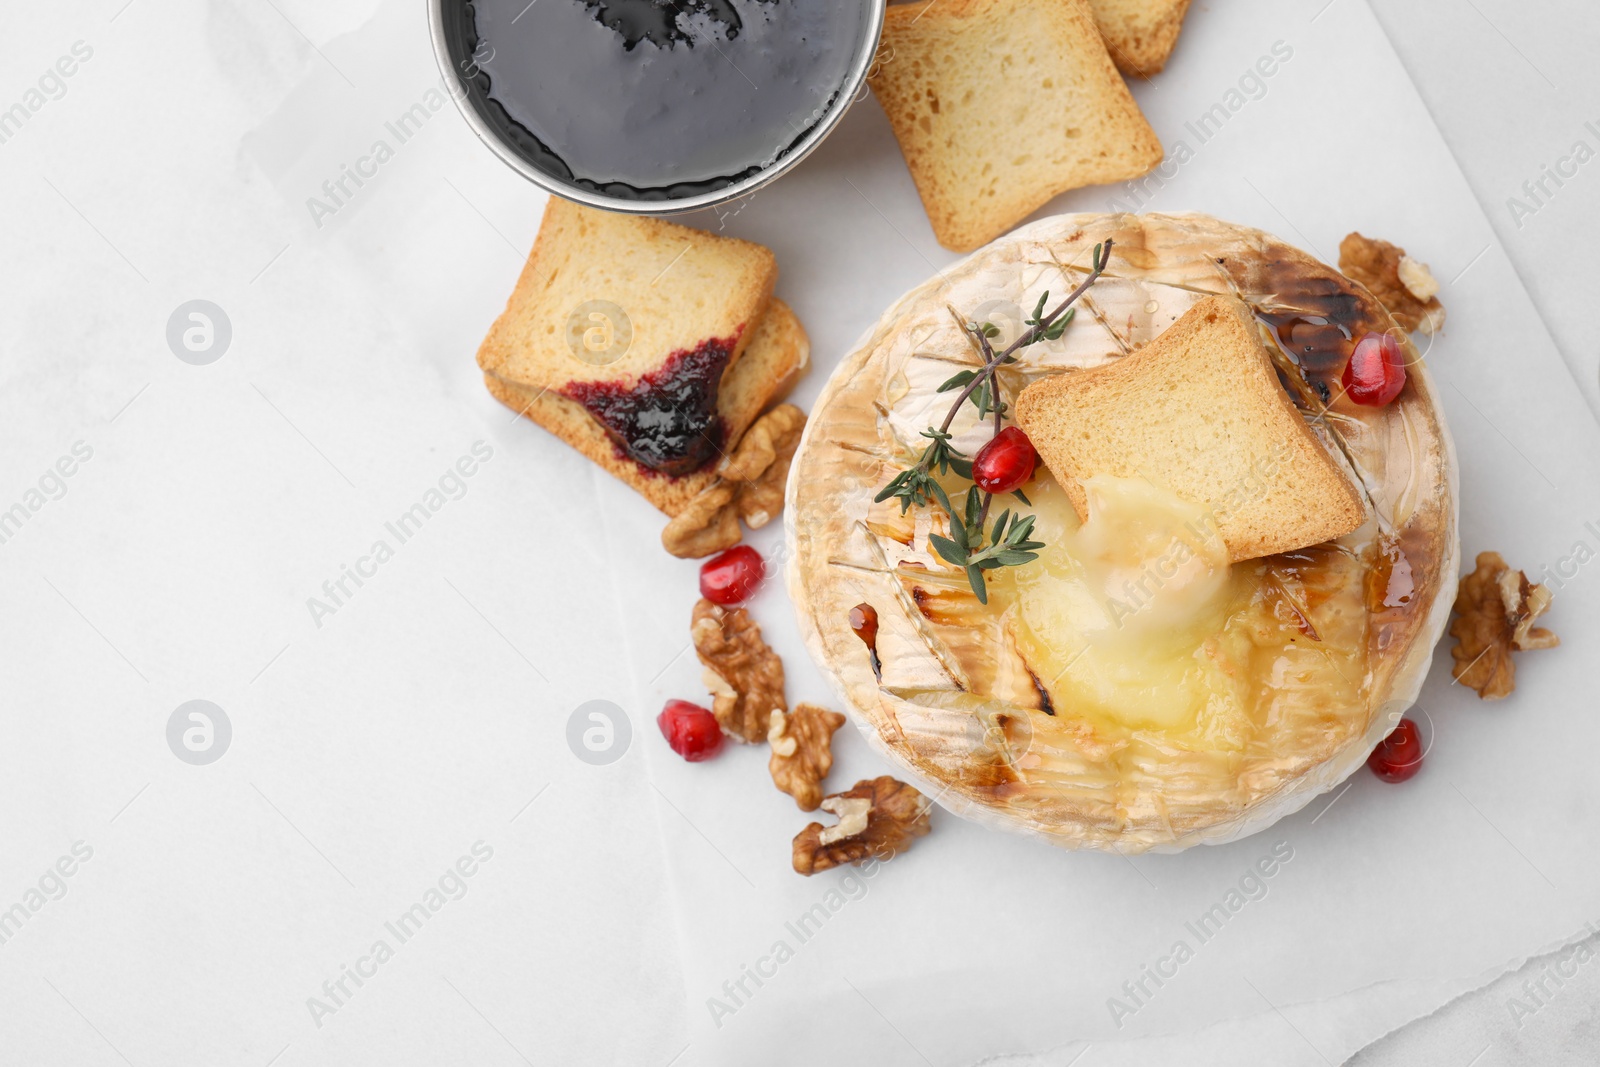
[648,346]
[775,358]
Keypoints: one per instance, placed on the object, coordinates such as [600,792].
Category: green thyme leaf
[1059,327]
[893,488]
[979,586]
[961,534]
[953,553]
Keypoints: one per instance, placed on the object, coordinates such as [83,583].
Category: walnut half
[744,675]
[1404,286]
[708,525]
[802,751]
[1496,607]
[878,819]
[749,486]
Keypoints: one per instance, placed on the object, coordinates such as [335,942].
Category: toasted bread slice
[1199,411]
[778,354]
[1000,105]
[1140,34]
[609,306]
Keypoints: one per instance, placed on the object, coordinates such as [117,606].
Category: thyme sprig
[1009,544]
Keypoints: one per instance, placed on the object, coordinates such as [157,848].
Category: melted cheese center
[1135,624]
[1120,614]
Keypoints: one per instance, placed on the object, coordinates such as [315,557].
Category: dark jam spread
[655,98]
[666,419]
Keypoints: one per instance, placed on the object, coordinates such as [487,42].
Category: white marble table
[400,743]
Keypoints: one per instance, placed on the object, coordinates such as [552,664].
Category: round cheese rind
[978,745]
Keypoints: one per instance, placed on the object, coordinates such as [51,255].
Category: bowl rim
[849,93]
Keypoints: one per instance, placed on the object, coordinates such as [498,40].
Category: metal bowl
[446,25]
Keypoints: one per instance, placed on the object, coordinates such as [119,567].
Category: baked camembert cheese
[1139,685]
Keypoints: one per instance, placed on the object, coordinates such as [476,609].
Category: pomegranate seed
[1005,463]
[1376,372]
[732,576]
[1398,756]
[692,731]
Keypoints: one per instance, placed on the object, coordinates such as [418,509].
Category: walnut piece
[744,675]
[853,813]
[1418,279]
[878,819]
[749,486]
[759,467]
[802,751]
[1404,286]
[707,526]
[1496,607]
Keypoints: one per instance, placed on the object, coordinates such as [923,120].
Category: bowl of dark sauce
[654,106]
